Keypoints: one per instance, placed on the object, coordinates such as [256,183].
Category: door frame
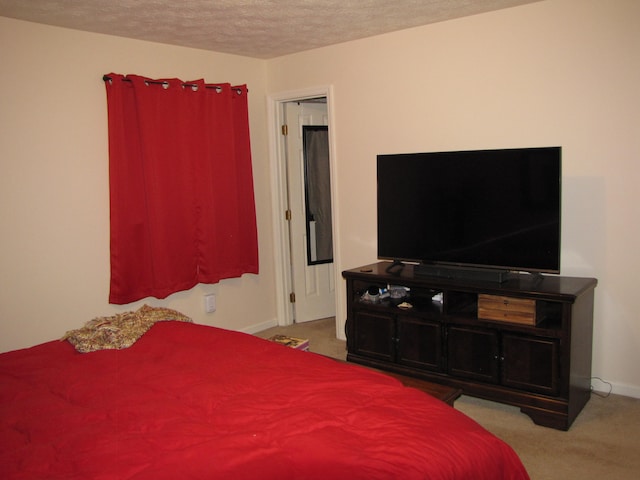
[282,251]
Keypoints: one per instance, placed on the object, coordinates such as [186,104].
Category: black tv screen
[497,209]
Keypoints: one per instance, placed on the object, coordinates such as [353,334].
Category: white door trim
[281,254]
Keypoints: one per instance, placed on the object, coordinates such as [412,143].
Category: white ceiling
[253,28]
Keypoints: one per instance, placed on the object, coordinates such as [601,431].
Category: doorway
[306,285]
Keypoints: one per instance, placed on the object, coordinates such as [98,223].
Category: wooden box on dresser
[532,349]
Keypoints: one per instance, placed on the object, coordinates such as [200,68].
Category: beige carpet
[603,442]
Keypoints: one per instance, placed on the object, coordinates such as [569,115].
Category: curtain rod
[107,78]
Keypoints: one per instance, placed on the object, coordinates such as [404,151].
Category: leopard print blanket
[121,330]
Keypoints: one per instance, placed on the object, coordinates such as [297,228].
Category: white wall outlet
[210,302]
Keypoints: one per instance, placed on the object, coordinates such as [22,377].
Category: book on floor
[291,342]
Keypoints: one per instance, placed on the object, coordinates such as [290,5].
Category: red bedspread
[194,402]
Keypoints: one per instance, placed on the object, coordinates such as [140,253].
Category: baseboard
[258,327]
[603,388]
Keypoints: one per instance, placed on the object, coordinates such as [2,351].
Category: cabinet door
[530,363]
[473,353]
[419,343]
[374,335]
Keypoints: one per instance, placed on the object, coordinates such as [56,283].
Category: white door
[313,285]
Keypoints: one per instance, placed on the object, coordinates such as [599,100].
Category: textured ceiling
[253,28]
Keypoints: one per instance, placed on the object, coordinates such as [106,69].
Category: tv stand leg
[546,418]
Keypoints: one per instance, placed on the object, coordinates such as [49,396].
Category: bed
[188,401]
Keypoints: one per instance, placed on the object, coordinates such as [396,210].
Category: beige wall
[557,72]
[54,212]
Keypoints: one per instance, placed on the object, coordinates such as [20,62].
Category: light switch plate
[210,303]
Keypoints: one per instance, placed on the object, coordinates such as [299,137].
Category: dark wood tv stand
[524,342]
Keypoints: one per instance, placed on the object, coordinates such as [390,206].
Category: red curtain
[181,186]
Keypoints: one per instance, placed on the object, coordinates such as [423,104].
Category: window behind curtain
[181,186]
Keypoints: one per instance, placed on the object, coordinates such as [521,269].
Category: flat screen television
[493,210]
